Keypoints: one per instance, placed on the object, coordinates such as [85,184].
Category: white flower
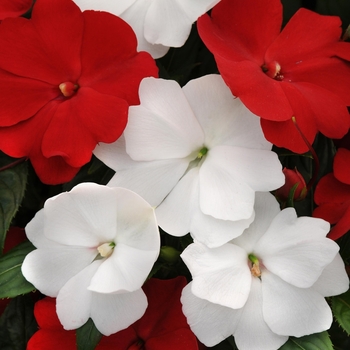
[267,284]
[158,24]
[95,248]
[198,154]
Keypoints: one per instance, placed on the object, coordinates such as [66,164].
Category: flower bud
[294,188]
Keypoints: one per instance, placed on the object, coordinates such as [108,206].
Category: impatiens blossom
[278,75]
[14,8]
[158,24]
[163,326]
[267,284]
[95,248]
[197,154]
[66,81]
[332,195]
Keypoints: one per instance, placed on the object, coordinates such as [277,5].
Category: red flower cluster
[67,79]
[277,75]
[163,326]
[14,8]
[332,195]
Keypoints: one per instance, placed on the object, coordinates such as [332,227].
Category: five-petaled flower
[66,81]
[267,284]
[194,152]
[277,75]
[96,246]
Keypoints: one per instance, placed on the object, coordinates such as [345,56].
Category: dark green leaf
[317,341]
[88,336]
[12,282]
[12,186]
[17,324]
[341,310]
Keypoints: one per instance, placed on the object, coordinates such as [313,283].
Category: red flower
[66,81]
[332,195]
[14,8]
[294,183]
[163,326]
[278,75]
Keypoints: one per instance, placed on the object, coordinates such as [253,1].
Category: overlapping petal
[10,8]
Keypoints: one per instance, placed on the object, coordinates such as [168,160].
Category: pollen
[68,88]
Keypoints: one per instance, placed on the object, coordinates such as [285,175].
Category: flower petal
[163,112]
[85,216]
[141,177]
[49,269]
[73,303]
[220,275]
[286,252]
[293,311]
[333,280]
[228,180]
[224,119]
[114,312]
[252,332]
[211,323]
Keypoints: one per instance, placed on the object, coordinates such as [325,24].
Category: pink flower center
[68,88]
[273,70]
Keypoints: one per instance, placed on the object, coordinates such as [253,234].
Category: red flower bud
[294,187]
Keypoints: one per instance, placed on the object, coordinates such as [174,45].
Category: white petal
[252,332]
[156,129]
[124,271]
[115,7]
[49,269]
[35,232]
[224,118]
[293,311]
[214,232]
[135,17]
[174,214]
[228,180]
[211,323]
[266,208]
[151,180]
[166,23]
[85,216]
[220,275]
[296,249]
[73,303]
[333,280]
[113,312]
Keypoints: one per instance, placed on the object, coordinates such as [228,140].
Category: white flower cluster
[191,160]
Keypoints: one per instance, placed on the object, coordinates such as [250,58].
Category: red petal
[177,339]
[331,212]
[14,236]
[341,165]
[264,96]
[82,121]
[47,47]
[241,30]
[342,227]
[110,62]
[305,36]
[45,314]
[14,8]
[21,98]
[330,190]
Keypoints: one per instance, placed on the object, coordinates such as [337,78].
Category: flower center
[68,88]
[202,153]
[255,269]
[137,345]
[106,249]
[273,70]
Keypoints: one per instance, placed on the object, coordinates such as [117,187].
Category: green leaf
[12,187]
[17,323]
[317,341]
[12,282]
[341,310]
[88,336]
